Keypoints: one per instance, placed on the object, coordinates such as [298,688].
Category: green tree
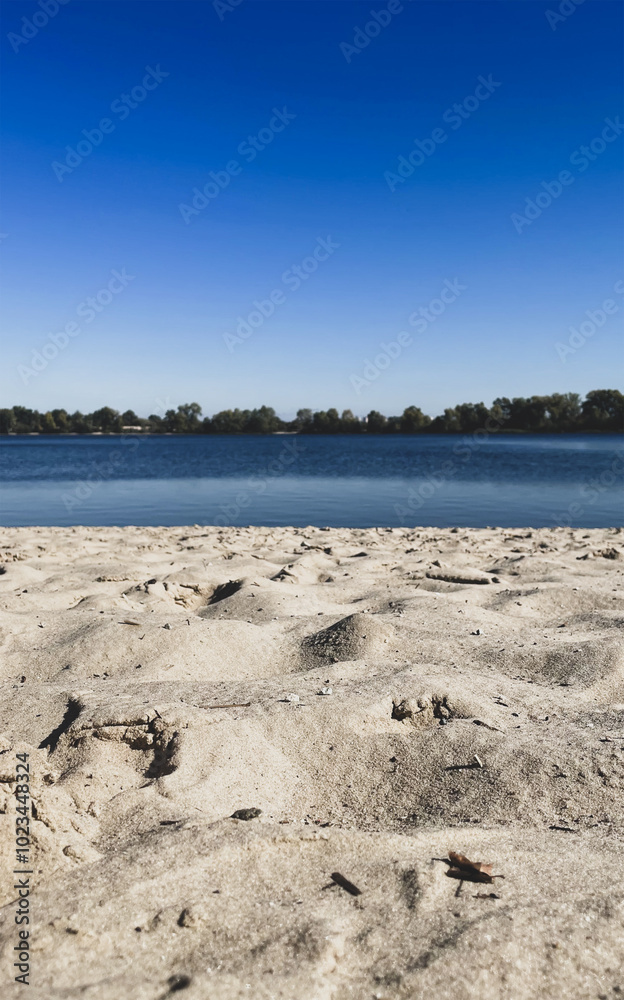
[524,414]
[79,423]
[413,420]
[471,416]
[130,419]
[326,422]
[106,420]
[190,412]
[563,411]
[26,421]
[303,422]
[603,410]
[263,421]
[47,424]
[376,423]
[349,424]
[448,422]
[229,422]
[7,421]
[61,419]
[155,424]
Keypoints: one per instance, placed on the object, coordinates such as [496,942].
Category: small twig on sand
[240,704]
[345,884]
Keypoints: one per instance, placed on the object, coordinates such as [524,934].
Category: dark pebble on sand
[246,813]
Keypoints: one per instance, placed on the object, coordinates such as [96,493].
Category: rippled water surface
[339,480]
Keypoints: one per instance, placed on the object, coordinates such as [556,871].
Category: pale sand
[145,887]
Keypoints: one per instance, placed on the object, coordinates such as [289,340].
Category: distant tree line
[601,410]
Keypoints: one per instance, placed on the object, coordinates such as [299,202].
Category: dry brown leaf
[469,871]
[461,861]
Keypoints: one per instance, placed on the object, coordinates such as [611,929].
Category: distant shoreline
[426,432]
[258,434]
[601,411]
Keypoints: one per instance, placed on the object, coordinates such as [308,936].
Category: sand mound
[351,638]
[576,661]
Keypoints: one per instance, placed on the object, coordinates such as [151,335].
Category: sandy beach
[366,701]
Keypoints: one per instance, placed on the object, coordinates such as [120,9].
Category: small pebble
[246,814]
[177,982]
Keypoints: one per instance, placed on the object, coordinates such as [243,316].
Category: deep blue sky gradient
[160,341]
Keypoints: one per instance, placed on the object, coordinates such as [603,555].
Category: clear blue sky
[161,338]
